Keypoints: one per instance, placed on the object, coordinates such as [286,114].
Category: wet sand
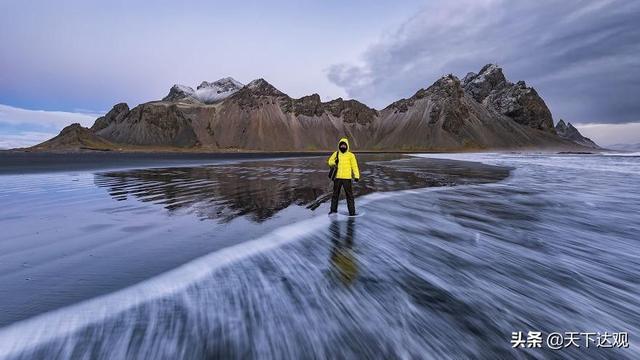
[20,162]
[74,235]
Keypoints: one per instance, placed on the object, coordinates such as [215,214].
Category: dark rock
[569,132]
[156,124]
[117,114]
[480,85]
[258,92]
[180,92]
[351,111]
[307,105]
[516,101]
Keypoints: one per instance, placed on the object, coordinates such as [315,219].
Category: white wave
[563,161]
[621,153]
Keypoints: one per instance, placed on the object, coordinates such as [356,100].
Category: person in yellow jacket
[347,169]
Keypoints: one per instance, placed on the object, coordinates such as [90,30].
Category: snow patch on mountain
[212,92]
[206,92]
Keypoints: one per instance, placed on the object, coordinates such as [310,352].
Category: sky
[71,61]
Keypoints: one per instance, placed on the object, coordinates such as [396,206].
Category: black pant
[348,191]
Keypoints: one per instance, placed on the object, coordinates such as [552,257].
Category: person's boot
[351,204]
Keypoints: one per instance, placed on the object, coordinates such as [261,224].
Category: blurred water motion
[71,236]
[446,273]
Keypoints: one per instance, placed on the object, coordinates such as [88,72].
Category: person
[347,169]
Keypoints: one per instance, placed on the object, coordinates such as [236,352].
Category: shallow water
[443,272]
[261,189]
[70,236]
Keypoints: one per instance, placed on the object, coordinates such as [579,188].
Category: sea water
[437,272]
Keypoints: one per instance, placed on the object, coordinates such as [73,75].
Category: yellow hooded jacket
[346,163]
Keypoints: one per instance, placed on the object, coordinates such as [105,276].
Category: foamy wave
[621,153]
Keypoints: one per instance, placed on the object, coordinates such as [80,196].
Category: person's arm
[354,167]
[332,160]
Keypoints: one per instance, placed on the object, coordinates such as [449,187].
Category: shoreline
[16,162]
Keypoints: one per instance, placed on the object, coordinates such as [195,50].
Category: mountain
[156,123]
[569,132]
[256,117]
[516,101]
[483,111]
[75,137]
[446,117]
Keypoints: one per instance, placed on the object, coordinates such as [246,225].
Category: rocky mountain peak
[517,101]
[561,126]
[568,132]
[206,93]
[222,85]
[259,92]
[262,88]
[447,81]
[312,98]
[117,114]
[352,111]
[446,86]
[75,127]
[480,85]
[211,92]
[309,105]
[179,92]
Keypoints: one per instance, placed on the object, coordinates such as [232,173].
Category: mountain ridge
[481,111]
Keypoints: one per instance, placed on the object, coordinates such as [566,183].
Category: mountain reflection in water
[260,189]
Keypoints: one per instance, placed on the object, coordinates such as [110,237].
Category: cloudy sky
[69,61]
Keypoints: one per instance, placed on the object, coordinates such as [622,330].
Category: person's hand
[357,179]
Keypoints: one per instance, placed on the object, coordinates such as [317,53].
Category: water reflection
[260,189]
[343,261]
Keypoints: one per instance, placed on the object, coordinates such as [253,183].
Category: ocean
[456,255]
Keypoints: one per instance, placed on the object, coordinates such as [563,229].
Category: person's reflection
[342,260]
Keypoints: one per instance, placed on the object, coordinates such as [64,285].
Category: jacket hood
[346,141]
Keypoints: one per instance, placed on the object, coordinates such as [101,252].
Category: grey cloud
[583,57]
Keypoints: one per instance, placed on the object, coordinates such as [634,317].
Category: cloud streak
[23,127]
[583,57]
[23,139]
[612,134]
[52,120]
